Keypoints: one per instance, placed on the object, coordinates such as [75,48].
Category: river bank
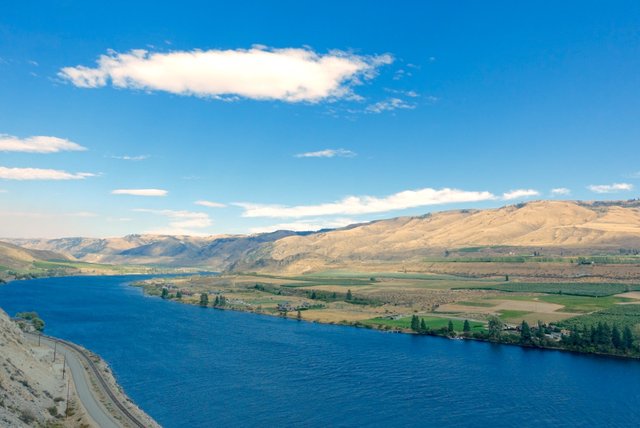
[475,313]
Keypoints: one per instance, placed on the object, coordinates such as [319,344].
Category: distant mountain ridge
[553,225]
[214,252]
[16,257]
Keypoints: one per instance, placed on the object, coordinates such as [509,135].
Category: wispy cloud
[328,153]
[118,219]
[406,93]
[131,158]
[210,204]
[353,205]
[311,225]
[140,192]
[610,188]
[37,144]
[290,74]
[24,174]
[181,222]
[560,191]
[32,214]
[389,104]
[519,194]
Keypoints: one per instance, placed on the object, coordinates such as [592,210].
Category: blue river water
[195,367]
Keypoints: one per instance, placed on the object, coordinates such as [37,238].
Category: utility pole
[55,350]
[66,411]
[64,365]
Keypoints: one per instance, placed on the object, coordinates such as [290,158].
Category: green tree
[34,318]
[179,295]
[423,325]
[506,278]
[299,316]
[495,327]
[165,293]
[466,327]
[450,327]
[349,295]
[627,337]
[415,323]
[525,332]
[216,302]
[204,299]
[314,296]
[616,339]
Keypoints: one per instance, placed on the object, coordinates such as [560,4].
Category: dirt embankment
[32,389]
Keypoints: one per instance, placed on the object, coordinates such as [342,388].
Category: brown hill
[15,257]
[214,252]
[551,225]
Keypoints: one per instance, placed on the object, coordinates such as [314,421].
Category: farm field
[388,300]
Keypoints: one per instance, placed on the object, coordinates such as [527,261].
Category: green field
[569,288]
[621,315]
[584,304]
[433,323]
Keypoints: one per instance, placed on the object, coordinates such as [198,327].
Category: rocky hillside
[549,226]
[32,391]
[214,252]
[552,227]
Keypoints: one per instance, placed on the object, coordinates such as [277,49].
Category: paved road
[85,391]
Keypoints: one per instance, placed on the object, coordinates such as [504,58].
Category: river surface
[195,367]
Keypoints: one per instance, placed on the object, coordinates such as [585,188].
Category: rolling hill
[16,258]
[214,252]
[554,227]
[551,227]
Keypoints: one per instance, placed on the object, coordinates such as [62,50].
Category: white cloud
[82,214]
[406,93]
[610,188]
[519,194]
[131,158]
[118,219]
[37,144]
[389,105]
[40,174]
[210,204]
[353,205]
[559,191]
[3,191]
[328,153]
[181,222]
[305,225]
[31,214]
[140,192]
[290,74]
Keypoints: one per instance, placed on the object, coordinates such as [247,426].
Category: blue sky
[308,114]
